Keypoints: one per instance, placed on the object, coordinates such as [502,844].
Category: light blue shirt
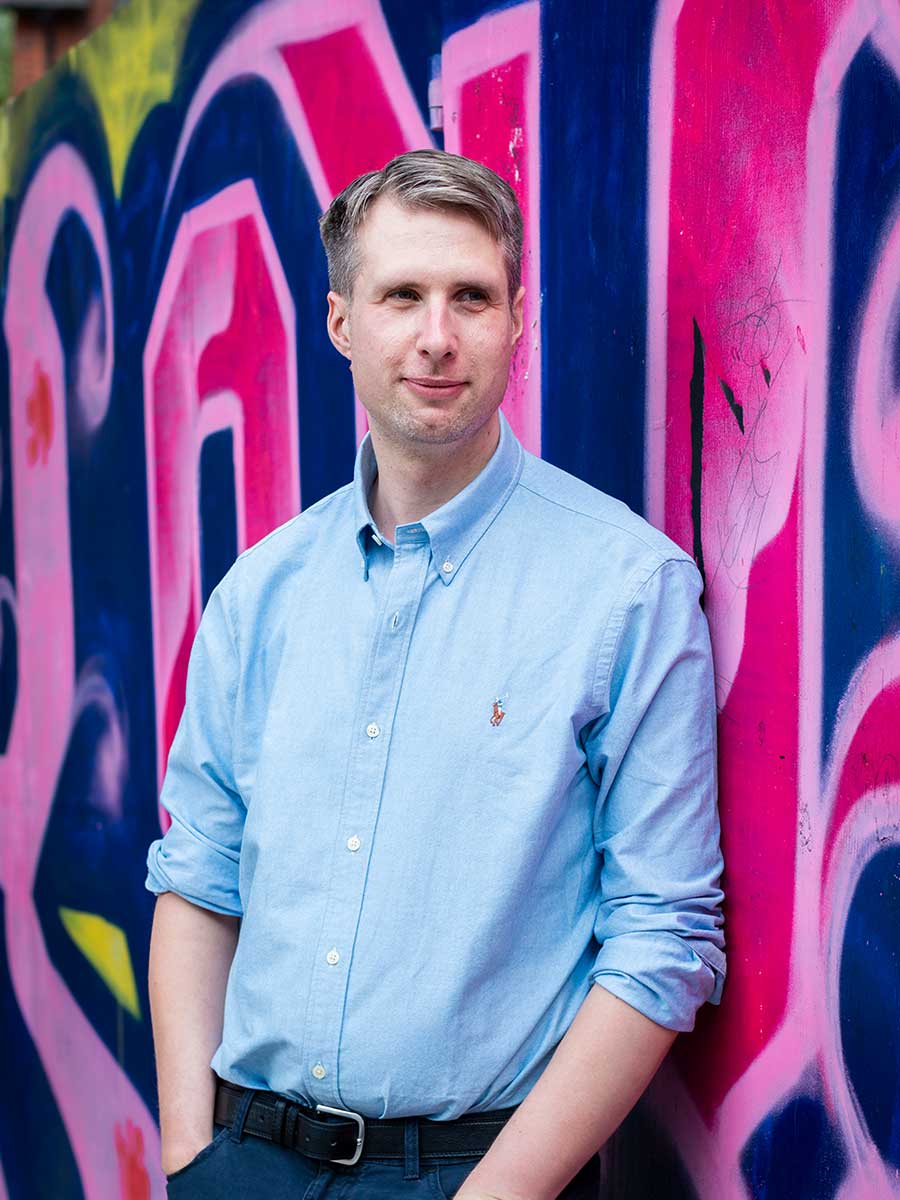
[448,785]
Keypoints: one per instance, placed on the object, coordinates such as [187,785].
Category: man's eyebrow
[400,283]
[396,283]
[477,285]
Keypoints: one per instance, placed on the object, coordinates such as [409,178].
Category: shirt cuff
[184,863]
[661,975]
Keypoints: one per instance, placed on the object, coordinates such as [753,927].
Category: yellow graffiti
[105,947]
[130,65]
[17,122]
[5,153]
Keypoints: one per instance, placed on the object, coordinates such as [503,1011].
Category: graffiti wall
[712,200]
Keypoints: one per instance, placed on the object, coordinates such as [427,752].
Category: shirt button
[373,730]
[332,957]
[353,843]
[446,566]
[395,620]
[319,1071]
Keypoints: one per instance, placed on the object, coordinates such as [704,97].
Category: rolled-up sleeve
[199,855]
[653,753]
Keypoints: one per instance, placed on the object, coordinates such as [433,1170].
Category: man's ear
[517,310]
[338,323]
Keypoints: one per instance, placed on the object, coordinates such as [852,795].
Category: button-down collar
[456,527]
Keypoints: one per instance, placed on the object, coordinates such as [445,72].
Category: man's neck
[409,486]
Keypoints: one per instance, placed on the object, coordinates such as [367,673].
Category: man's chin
[434,428]
[434,425]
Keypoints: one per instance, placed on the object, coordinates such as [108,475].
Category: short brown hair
[432,179]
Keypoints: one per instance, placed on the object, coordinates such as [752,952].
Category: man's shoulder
[595,517]
[289,546]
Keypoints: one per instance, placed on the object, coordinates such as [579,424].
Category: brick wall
[42,37]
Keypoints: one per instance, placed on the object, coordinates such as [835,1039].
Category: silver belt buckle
[360,1136]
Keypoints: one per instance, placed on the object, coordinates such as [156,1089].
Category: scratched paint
[712,267]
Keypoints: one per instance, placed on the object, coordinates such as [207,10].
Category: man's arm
[191,950]
[597,1073]
[194,870]
[658,923]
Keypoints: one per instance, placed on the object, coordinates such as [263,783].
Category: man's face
[429,330]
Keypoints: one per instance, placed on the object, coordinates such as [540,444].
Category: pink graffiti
[278,42]
[876,404]
[337,74]
[862,808]
[491,99]
[220,354]
[341,58]
[748,510]
[796,837]
[75,1059]
[261,45]
[758,789]
[866,763]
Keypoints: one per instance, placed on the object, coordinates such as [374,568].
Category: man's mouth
[434,386]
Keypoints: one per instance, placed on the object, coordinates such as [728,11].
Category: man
[444,843]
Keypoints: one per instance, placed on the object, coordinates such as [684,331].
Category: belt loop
[240,1117]
[411,1149]
[289,1126]
[281,1107]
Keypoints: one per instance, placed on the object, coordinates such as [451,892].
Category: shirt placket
[358,816]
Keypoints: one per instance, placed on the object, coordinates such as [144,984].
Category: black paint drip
[737,409]
[697,384]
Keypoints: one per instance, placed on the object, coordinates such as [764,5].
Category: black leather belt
[339,1136]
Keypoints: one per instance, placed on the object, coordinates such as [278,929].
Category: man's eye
[472,296]
[403,294]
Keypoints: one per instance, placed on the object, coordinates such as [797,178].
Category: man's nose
[437,335]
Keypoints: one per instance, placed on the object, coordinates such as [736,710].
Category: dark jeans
[236,1165]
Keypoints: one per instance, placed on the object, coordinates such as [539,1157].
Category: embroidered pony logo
[499,712]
